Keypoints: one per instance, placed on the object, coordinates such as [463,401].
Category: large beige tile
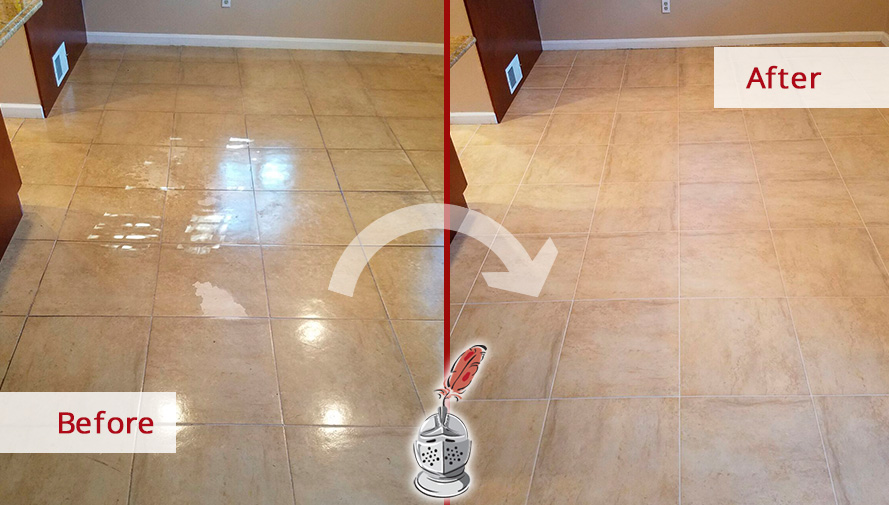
[641,163]
[96,51]
[135,128]
[411,281]
[633,265]
[406,103]
[696,74]
[330,75]
[148,72]
[576,129]
[337,101]
[495,164]
[292,169]
[422,343]
[551,209]
[651,56]
[854,430]
[586,101]
[270,75]
[620,348]
[352,132]
[534,101]
[12,126]
[367,207]
[809,204]
[143,97]
[303,218]
[581,164]
[780,124]
[360,170]
[430,166]
[740,347]
[283,131]
[151,53]
[210,217]
[695,55]
[276,101]
[417,134]
[50,163]
[722,206]
[491,200]
[526,336]
[43,208]
[98,279]
[645,128]
[94,71]
[121,166]
[210,73]
[872,200]
[793,160]
[600,57]
[467,255]
[830,262]
[317,389]
[637,206]
[101,479]
[696,98]
[210,281]
[21,271]
[712,126]
[209,130]
[609,451]
[210,168]
[560,282]
[861,157]
[843,341]
[730,455]
[223,370]
[847,122]
[595,76]
[81,97]
[79,354]
[212,54]
[303,292]
[114,214]
[648,99]
[729,264]
[651,75]
[386,76]
[221,465]
[543,76]
[216,99]
[460,135]
[721,162]
[512,130]
[70,127]
[249,54]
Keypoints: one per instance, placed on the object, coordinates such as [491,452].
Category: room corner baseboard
[22,110]
[473,118]
[173,39]
[723,40]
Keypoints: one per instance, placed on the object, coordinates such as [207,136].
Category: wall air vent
[514,74]
[60,64]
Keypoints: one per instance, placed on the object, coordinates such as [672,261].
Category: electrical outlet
[226,4]
[665,6]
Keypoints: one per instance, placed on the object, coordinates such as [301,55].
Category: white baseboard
[723,40]
[173,39]
[22,110]
[473,118]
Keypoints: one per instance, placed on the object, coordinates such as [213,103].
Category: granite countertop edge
[459,46]
[19,20]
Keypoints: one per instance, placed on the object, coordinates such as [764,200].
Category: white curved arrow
[525,276]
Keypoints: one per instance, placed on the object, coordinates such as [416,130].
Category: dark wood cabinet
[10,182]
[56,22]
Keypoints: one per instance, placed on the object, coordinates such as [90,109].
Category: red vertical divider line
[447,198]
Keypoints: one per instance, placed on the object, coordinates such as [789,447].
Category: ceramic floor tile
[512,130]
[794,160]
[103,51]
[846,122]
[491,200]
[317,389]
[581,164]
[501,468]
[79,354]
[609,451]
[347,132]
[210,168]
[303,218]
[283,131]
[645,128]
[98,279]
[462,134]
[648,99]
[575,129]
[12,126]
[729,264]
[403,103]
[712,126]
[880,236]
[546,77]
[825,262]
[82,97]
[44,208]
[147,72]
[411,281]
[114,214]
[842,341]
[330,75]
[695,55]
[780,124]
[213,54]
[340,102]
[152,53]
[696,98]
[555,209]
[854,429]
[651,56]
[641,163]
[587,101]
[624,207]
[276,101]
[262,54]
[367,207]
[216,465]
[209,130]
[94,71]
[292,169]
[730,456]
[611,57]
[430,166]
[534,101]
[722,162]
[375,171]
[210,281]
[309,55]
[722,206]
[21,271]
[219,99]
[210,217]
[303,292]
[560,282]
[595,76]
[417,134]
[143,97]
[651,75]
[135,128]
[620,348]
[223,370]
[861,157]
[696,74]
[71,127]
[809,204]
[101,479]
[872,200]
[210,73]
[122,166]
[270,74]
[467,255]
[634,265]
[740,347]
[398,78]
[530,331]
[422,343]
[50,163]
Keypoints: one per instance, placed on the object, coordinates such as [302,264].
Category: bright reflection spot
[311,332]
[238,139]
[333,415]
[169,413]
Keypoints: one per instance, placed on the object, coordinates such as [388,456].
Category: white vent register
[60,64]
[514,74]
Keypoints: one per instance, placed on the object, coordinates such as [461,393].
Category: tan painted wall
[615,19]
[390,20]
[469,92]
[17,82]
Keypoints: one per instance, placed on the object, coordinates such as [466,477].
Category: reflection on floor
[717,319]
[184,208]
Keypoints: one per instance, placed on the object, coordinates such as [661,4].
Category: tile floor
[716,325]
[184,208]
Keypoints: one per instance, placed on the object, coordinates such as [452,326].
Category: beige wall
[469,92]
[615,19]
[17,82]
[389,20]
